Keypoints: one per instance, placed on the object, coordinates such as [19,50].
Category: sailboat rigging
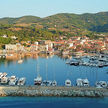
[38,79]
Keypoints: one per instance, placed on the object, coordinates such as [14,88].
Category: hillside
[64,21]
[24,19]
[94,22]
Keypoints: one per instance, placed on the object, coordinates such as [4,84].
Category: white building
[14,47]
[11,47]
[4,36]
[13,37]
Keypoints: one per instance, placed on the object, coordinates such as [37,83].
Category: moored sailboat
[38,79]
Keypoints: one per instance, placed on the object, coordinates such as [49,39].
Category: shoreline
[58,91]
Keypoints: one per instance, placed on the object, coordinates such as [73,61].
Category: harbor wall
[52,91]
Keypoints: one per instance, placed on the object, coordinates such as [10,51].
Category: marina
[55,70]
[13,81]
[93,61]
[54,75]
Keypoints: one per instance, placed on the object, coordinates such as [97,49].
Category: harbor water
[52,102]
[53,68]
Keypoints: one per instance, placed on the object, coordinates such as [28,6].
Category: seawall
[53,91]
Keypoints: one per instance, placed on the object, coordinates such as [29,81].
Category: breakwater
[53,91]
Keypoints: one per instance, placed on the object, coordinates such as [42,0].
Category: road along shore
[53,91]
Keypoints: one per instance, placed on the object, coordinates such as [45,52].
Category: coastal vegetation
[65,25]
[88,21]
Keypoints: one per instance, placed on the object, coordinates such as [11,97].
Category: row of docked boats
[38,81]
[13,80]
[93,61]
[79,83]
[85,83]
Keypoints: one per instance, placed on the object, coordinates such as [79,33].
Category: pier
[57,91]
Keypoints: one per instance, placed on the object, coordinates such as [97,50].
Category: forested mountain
[24,19]
[94,22]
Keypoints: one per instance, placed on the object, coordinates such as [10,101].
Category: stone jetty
[53,91]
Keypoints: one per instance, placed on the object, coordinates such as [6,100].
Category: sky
[44,8]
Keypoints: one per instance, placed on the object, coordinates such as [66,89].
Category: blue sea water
[52,102]
[56,69]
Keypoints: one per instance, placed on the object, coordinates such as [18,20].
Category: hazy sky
[43,8]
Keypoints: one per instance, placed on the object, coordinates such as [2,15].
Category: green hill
[24,19]
[94,22]
[88,21]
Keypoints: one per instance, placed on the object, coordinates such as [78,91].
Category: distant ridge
[94,22]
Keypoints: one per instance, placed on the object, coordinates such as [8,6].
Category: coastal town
[79,51]
[54,54]
[79,46]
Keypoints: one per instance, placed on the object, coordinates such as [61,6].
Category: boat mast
[46,71]
[54,74]
[97,75]
[37,69]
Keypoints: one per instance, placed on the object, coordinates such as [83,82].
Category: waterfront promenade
[53,91]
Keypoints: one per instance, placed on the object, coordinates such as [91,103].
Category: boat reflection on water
[20,61]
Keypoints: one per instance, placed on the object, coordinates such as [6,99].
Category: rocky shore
[52,91]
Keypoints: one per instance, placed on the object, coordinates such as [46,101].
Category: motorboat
[4,74]
[54,83]
[4,80]
[101,84]
[49,83]
[85,82]
[68,83]
[21,81]
[1,75]
[46,83]
[97,84]
[79,82]
[13,80]
[38,80]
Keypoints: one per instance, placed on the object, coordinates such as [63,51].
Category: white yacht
[79,82]
[85,82]
[97,84]
[1,75]
[38,80]
[46,83]
[68,83]
[54,83]
[13,80]
[4,74]
[49,83]
[21,81]
[4,80]
[101,84]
